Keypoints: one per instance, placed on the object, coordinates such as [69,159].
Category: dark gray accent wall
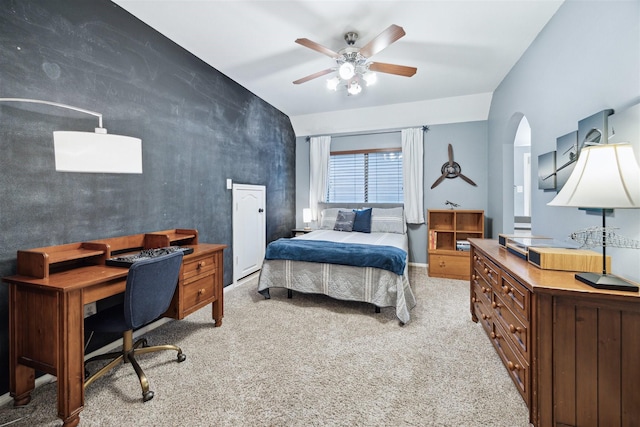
[197,126]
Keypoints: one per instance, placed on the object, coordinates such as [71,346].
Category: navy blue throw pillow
[362,222]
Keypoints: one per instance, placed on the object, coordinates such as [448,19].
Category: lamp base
[606,281]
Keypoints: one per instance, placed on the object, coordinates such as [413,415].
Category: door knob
[260,210]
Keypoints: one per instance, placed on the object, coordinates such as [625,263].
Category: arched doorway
[522,178]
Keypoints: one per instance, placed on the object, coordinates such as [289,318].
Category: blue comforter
[379,256]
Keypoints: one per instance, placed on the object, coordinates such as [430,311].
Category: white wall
[586,59]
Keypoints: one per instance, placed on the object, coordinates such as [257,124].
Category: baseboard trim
[418,264]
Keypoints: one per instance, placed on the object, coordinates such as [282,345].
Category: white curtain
[412,174]
[319,152]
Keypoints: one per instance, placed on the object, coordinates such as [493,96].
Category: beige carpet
[309,361]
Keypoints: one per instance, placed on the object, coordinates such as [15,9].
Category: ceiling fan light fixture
[370,77]
[354,88]
[346,70]
[332,84]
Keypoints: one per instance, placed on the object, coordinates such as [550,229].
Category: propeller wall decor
[353,64]
[451,170]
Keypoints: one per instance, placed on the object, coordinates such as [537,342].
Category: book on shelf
[433,235]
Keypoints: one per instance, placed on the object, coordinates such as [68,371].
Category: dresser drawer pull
[201,264]
[495,336]
[473,277]
[496,305]
[485,317]
[514,329]
[513,366]
[473,300]
[507,290]
[201,291]
[485,290]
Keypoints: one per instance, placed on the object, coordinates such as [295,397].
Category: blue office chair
[151,284]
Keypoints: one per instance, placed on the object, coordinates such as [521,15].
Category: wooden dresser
[572,351]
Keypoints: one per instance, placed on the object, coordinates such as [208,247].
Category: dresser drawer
[452,266]
[197,268]
[482,308]
[517,367]
[481,287]
[487,269]
[515,295]
[516,329]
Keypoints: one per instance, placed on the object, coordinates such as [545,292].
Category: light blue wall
[469,141]
[586,59]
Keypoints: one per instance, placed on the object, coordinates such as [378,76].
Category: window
[373,176]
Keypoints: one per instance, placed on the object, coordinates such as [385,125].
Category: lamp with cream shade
[606,176]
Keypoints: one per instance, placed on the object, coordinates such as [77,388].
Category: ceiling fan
[353,64]
[451,170]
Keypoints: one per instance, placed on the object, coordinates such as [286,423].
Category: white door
[249,229]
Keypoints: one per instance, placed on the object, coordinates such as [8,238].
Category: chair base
[127,355]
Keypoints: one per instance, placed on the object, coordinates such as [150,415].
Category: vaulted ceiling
[459,47]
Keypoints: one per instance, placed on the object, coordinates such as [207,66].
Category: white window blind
[373,177]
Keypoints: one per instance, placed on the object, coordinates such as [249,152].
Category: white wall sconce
[94,152]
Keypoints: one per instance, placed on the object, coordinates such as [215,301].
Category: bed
[320,261]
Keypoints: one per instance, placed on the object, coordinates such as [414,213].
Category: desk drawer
[198,268]
[198,292]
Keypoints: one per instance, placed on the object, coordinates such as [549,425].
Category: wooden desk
[570,349]
[47,298]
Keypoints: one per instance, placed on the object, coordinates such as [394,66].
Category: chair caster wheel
[182,357]
[147,396]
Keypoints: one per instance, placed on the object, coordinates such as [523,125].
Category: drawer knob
[495,304]
[486,270]
[473,277]
[485,317]
[201,291]
[514,329]
[202,264]
[485,290]
[495,336]
[506,289]
[513,366]
[473,300]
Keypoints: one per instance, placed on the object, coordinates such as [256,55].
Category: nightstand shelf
[449,232]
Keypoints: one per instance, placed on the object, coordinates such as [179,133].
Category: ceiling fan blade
[439,180]
[382,40]
[400,70]
[313,76]
[467,179]
[450,155]
[317,47]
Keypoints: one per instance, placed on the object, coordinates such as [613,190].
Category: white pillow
[388,220]
[328,218]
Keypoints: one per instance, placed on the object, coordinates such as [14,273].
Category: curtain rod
[425,128]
